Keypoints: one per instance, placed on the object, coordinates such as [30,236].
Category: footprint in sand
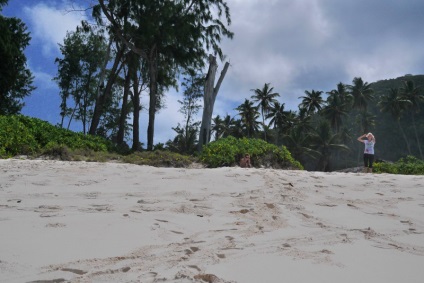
[41,183]
[155,226]
[91,195]
[97,208]
[48,210]
[55,225]
[59,280]
[76,271]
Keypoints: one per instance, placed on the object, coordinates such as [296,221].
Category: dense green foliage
[79,73]
[398,134]
[167,36]
[228,151]
[23,135]
[409,165]
[15,78]
[146,51]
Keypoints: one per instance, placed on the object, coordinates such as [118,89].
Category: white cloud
[49,24]
[393,59]
[45,81]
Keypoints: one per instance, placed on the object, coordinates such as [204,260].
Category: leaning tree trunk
[106,93]
[210,93]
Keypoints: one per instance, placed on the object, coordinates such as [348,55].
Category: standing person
[369,151]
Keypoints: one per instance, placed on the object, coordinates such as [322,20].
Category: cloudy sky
[295,45]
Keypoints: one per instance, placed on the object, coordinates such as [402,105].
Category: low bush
[16,138]
[159,158]
[228,151]
[409,165]
[24,135]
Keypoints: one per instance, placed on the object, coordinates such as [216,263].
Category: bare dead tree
[210,93]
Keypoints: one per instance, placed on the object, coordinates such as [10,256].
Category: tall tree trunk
[124,111]
[408,147]
[263,123]
[416,135]
[210,93]
[153,73]
[106,93]
[136,114]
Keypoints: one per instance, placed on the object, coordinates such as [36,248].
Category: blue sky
[294,45]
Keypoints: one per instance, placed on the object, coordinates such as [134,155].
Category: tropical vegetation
[135,48]
[228,151]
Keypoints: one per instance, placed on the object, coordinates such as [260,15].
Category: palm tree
[413,94]
[345,137]
[229,125]
[343,93]
[312,102]
[362,93]
[304,120]
[291,121]
[298,143]
[249,115]
[217,127]
[367,120]
[237,130]
[335,109]
[277,116]
[325,142]
[394,103]
[186,140]
[265,98]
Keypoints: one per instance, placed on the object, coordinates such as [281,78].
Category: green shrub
[409,165]
[228,151]
[15,137]
[24,135]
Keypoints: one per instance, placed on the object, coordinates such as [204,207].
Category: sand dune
[110,222]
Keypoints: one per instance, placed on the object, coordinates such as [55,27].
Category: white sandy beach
[111,222]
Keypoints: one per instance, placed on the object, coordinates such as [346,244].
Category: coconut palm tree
[265,98]
[366,120]
[186,140]
[298,143]
[413,94]
[304,120]
[325,142]
[277,117]
[217,126]
[237,129]
[229,125]
[291,121]
[312,101]
[395,104]
[362,93]
[249,115]
[343,93]
[335,109]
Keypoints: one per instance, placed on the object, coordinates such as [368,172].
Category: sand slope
[109,222]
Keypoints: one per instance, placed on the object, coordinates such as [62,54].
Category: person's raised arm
[361,138]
